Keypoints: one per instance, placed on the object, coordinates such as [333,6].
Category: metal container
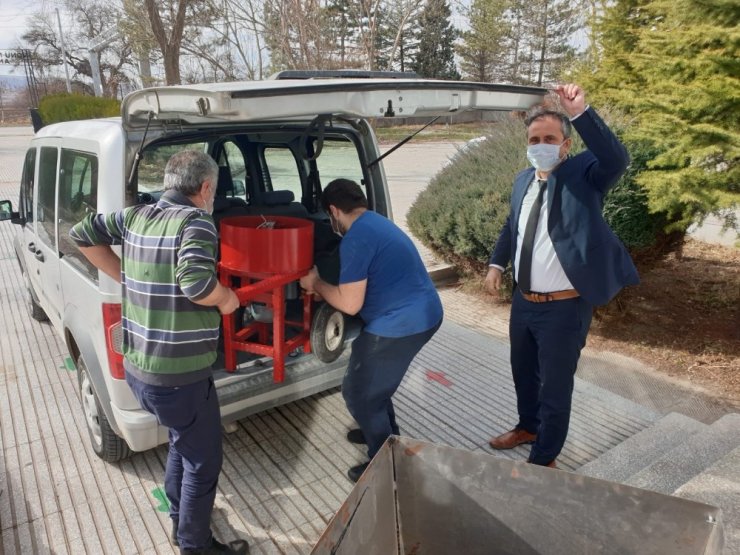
[266,245]
[419,498]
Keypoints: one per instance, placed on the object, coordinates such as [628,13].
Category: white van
[276,143]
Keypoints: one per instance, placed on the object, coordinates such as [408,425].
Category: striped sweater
[168,261]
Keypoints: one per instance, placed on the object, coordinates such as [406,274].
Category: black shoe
[236,547]
[356,436]
[173,534]
[355,472]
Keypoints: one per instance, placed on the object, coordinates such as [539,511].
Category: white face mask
[208,207]
[544,157]
[335,226]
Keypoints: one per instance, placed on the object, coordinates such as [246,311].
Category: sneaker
[356,436]
[355,472]
[236,547]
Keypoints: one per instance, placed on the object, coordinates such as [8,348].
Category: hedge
[68,107]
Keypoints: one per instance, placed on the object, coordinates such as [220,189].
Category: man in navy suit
[565,261]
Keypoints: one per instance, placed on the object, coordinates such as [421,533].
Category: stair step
[690,457]
[640,450]
[719,485]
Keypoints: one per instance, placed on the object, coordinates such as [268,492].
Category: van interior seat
[280,203]
[225,198]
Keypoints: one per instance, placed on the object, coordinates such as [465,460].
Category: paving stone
[719,485]
[640,450]
[690,457]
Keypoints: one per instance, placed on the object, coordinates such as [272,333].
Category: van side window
[78,196]
[27,181]
[45,207]
[282,171]
[339,159]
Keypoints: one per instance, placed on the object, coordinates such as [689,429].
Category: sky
[13,15]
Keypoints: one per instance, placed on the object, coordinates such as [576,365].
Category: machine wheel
[327,333]
[106,444]
[34,309]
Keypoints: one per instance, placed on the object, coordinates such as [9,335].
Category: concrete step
[719,485]
[690,457]
[640,450]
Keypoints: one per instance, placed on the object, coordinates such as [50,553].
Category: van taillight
[114,339]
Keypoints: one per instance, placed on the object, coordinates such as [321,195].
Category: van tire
[34,309]
[105,442]
[328,330]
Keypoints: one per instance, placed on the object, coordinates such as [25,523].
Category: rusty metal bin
[419,498]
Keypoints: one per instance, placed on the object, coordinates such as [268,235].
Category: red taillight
[114,339]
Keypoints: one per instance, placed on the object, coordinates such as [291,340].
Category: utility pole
[64,51]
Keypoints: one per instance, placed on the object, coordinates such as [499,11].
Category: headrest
[225,185]
[273,198]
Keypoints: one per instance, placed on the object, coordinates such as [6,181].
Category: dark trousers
[192,414]
[546,343]
[376,367]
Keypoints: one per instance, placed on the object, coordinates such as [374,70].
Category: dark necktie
[525,259]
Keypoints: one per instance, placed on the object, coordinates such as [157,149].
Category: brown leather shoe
[512,438]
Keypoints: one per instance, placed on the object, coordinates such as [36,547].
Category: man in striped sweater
[171,300]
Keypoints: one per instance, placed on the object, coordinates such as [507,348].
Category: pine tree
[484,47]
[674,66]
[435,58]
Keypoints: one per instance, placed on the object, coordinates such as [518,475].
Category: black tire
[328,330]
[34,309]
[106,444]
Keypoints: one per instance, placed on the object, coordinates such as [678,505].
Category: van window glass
[27,182]
[78,196]
[232,157]
[339,159]
[283,171]
[46,183]
[153,161]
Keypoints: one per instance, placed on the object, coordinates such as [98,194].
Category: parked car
[277,142]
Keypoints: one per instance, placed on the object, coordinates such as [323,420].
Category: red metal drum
[286,248]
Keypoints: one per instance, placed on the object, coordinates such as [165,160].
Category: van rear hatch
[281,99]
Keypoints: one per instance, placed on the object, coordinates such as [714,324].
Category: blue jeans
[376,367]
[192,414]
[546,342]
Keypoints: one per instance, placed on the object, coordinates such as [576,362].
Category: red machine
[259,257]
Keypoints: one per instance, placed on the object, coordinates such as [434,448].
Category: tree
[674,66]
[168,32]
[435,57]
[483,50]
[84,22]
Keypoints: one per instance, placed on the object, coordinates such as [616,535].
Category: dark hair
[539,112]
[345,194]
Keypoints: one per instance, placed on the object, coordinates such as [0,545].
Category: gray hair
[539,112]
[186,171]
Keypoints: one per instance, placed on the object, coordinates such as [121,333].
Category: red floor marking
[438,377]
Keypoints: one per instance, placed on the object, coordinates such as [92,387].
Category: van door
[47,253]
[32,272]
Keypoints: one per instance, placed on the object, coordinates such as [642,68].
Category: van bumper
[139,429]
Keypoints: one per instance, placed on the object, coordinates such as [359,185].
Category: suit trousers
[192,414]
[376,367]
[546,342]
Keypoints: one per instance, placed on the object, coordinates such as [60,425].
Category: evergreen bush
[69,107]
[462,212]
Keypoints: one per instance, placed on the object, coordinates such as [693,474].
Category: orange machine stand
[268,289]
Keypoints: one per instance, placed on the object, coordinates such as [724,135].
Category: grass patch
[434,133]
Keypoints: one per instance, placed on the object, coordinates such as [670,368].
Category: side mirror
[6,213]
[239,189]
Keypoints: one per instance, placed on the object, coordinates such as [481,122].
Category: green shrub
[68,107]
[462,212]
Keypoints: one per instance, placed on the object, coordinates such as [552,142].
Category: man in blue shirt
[383,279]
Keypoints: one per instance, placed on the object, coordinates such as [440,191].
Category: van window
[339,159]
[153,161]
[231,157]
[45,208]
[282,170]
[78,196]
[27,181]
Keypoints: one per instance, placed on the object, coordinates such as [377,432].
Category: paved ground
[284,469]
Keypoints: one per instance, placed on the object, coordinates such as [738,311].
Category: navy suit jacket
[594,259]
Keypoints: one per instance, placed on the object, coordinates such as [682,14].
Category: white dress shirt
[547,272]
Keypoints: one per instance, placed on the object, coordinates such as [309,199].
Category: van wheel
[34,309]
[327,333]
[106,444]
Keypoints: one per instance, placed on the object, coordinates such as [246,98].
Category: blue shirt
[400,299]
